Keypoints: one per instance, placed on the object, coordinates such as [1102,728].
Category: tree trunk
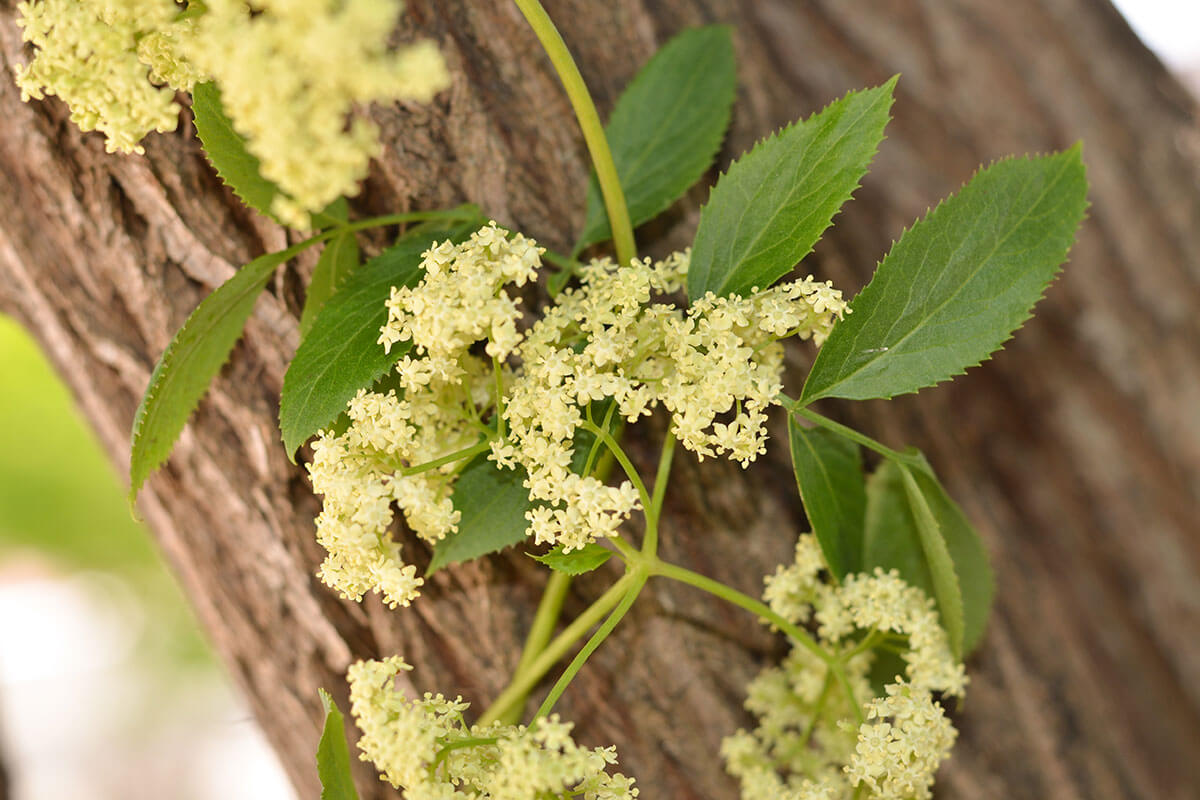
[1076,450]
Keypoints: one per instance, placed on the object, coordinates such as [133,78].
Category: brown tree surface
[1076,450]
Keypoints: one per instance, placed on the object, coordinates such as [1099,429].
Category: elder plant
[434,399]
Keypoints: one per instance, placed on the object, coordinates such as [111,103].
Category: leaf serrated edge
[222,119]
[805,398]
[775,135]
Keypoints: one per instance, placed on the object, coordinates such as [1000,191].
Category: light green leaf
[338,260]
[493,502]
[576,562]
[333,755]
[192,360]
[667,126]
[898,536]
[771,207]
[339,355]
[226,150]
[958,283]
[830,478]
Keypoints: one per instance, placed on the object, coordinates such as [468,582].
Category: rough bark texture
[1076,450]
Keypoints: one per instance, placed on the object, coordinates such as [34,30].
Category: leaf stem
[849,433]
[639,576]
[521,684]
[449,458]
[589,123]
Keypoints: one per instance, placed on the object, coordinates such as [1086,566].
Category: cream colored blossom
[425,747]
[805,746]
[108,60]
[290,74]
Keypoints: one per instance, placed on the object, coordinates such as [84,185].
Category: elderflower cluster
[806,746]
[108,61]
[425,748]
[475,376]
[290,74]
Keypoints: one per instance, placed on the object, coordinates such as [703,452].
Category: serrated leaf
[192,360]
[770,208]
[493,502]
[333,755]
[829,475]
[958,283]
[937,556]
[667,126]
[576,562]
[893,540]
[337,261]
[226,150]
[339,355]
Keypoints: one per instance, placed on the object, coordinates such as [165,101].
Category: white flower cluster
[105,59]
[445,390]
[425,748]
[290,72]
[606,340]
[805,747]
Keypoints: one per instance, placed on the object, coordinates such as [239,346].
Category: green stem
[622,459]
[589,123]
[523,682]
[639,576]
[544,621]
[449,458]
[661,477]
[760,609]
[850,433]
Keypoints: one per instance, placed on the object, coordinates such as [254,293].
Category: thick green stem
[589,123]
[544,621]
[523,682]
[631,593]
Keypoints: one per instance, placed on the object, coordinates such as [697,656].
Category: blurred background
[107,688]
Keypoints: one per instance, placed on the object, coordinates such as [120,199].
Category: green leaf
[339,355]
[333,755]
[941,567]
[667,126]
[771,207]
[226,150]
[338,259]
[493,502]
[899,535]
[830,478]
[192,360]
[958,283]
[576,562]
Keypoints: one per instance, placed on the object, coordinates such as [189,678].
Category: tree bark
[1076,450]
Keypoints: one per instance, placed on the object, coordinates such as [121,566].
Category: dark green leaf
[958,283]
[667,126]
[338,260]
[192,360]
[771,207]
[576,562]
[894,541]
[941,567]
[830,478]
[493,502]
[340,355]
[333,755]
[226,150]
